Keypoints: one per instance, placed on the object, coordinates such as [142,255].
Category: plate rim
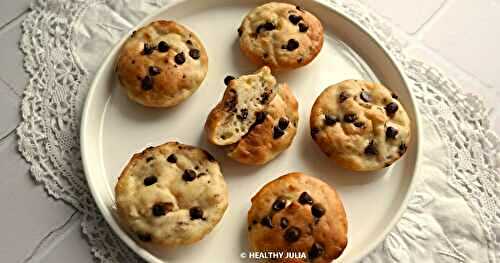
[145,254]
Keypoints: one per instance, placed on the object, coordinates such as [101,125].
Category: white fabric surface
[453,216]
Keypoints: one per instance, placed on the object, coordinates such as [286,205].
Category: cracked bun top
[296,212]
[281,36]
[161,64]
[172,194]
[361,125]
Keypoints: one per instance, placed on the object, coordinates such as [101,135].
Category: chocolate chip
[394,96]
[295,19]
[330,120]
[260,117]
[343,96]
[249,228]
[277,132]
[144,237]
[163,46]
[147,49]
[189,42]
[240,31]
[298,8]
[365,96]
[314,131]
[149,159]
[254,222]
[350,118]
[402,148]
[159,210]
[279,204]
[150,180]
[147,83]
[210,158]
[154,70]
[359,124]
[228,79]
[180,58]
[317,210]
[133,34]
[300,60]
[188,175]
[133,61]
[194,53]
[232,100]
[172,158]
[316,251]
[243,115]
[195,213]
[267,221]
[284,222]
[292,45]
[303,28]
[371,149]
[391,108]
[283,123]
[305,199]
[264,97]
[268,26]
[391,133]
[292,234]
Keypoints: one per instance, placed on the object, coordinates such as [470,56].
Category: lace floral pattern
[453,216]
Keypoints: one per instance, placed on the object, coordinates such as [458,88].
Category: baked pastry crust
[361,125]
[170,195]
[281,36]
[259,146]
[162,64]
[296,212]
[256,119]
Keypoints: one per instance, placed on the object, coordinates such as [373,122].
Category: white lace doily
[453,216]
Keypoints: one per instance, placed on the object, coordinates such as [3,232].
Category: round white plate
[113,128]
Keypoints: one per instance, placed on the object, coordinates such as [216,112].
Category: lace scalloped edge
[467,103]
[28,134]
[493,142]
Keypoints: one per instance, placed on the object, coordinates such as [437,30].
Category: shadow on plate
[244,245]
[229,166]
[139,113]
[326,169]
[240,61]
